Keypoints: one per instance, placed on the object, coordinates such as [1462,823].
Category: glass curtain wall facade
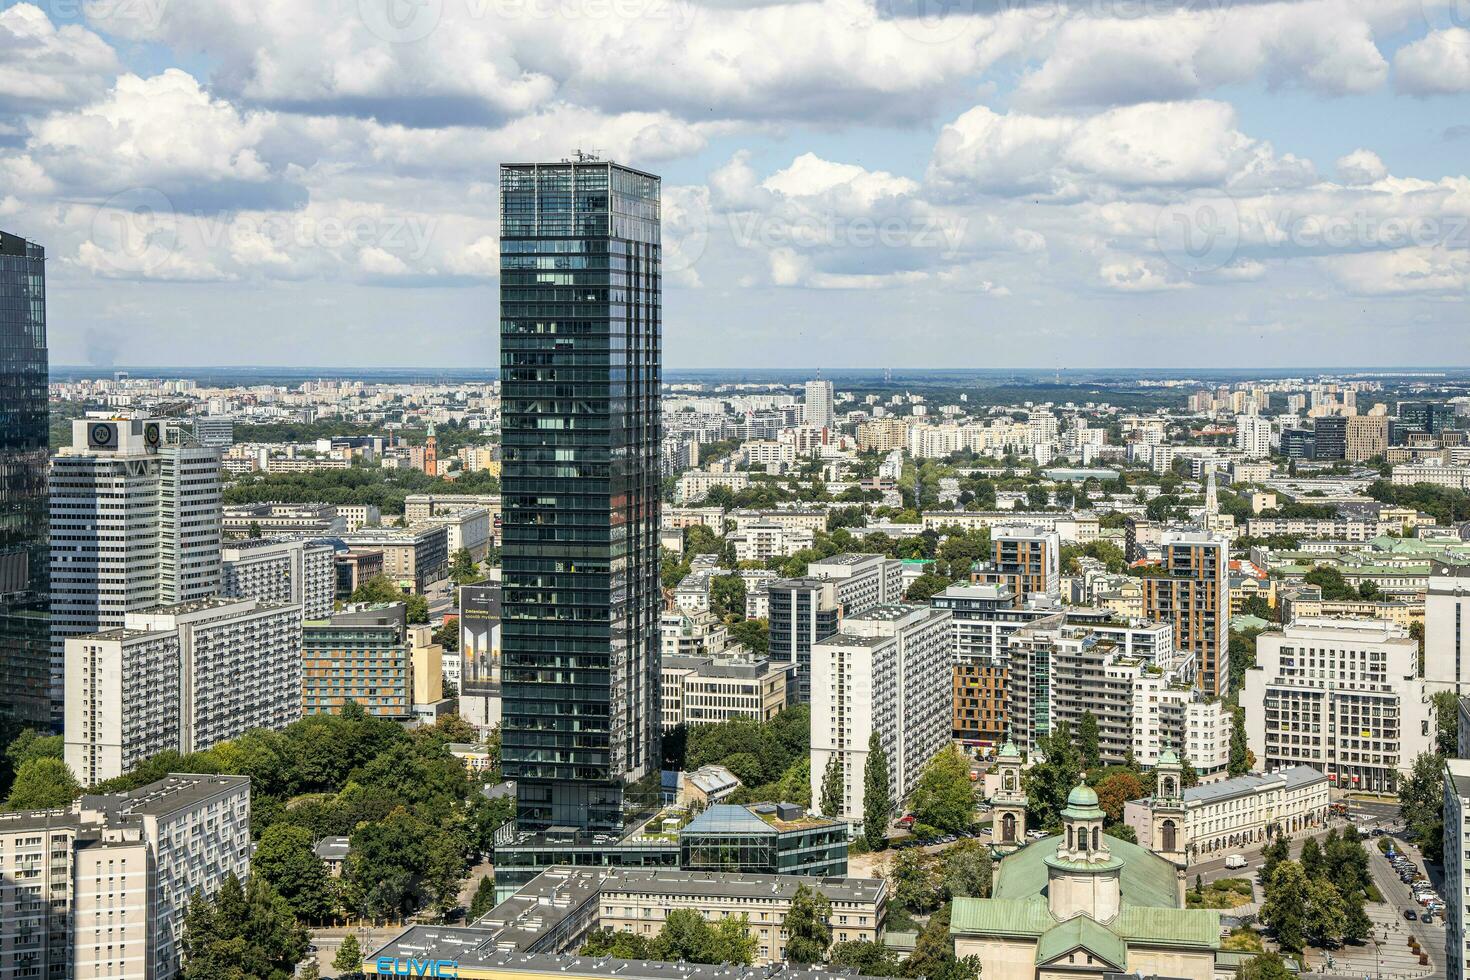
[29,694]
[580,368]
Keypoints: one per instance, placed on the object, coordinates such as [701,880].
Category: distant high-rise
[580,360]
[28,685]
[820,413]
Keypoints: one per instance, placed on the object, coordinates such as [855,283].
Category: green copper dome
[1082,797]
[1168,758]
[1009,749]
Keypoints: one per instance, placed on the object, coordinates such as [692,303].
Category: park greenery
[415,817]
[357,484]
[1318,899]
[380,589]
[247,932]
[1421,804]
[686,936]
[771,759]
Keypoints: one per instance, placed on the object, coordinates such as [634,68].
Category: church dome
[1082,797]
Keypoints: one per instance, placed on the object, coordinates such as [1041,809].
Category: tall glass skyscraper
[25,659]
[580,368]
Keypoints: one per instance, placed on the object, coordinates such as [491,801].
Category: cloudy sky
[956,183]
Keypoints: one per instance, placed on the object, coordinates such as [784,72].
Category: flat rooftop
[458,944]
[174,792]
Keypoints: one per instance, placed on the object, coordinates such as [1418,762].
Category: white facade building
[886,670]
[1253,436]
[820,413]
[861,581]
[468,528]
[1447,628]
[134,522]
[118,870]
[1341,695]
[281,572]
[1240,812]
[181,677]
[1456,858]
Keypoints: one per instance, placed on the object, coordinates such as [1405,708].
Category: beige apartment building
[639,901]
[1367,437]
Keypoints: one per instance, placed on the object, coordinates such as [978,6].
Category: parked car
[1411,915]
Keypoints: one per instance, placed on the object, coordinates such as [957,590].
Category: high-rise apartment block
[1192,593]
[1253,436]
[1341,695]
[861,581]
[30,681]
[99,889]
[581,363]
[1367,437]
[1456,859]
[887,670]
[281,571]
[820,413]
[801,612]
[189,518]
[135,523]
[1447,628]
[182,677]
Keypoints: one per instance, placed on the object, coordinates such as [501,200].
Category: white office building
[281,572]
[134,521]
[116,873]
[886,670]
[181,677]
[1341,695]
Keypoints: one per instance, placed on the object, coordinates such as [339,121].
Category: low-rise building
[706,786]
[1239,812]
[556,911]
[467,529]
[272,518]
[736,684]
[761,838]
[413,557]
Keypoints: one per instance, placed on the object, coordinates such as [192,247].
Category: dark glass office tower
[580,366]
[25,657]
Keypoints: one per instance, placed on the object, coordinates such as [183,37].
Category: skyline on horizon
[1034,183]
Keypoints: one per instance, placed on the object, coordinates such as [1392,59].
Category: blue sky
[1014,183]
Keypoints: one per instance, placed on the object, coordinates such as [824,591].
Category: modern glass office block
[580,358]
[27,683]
